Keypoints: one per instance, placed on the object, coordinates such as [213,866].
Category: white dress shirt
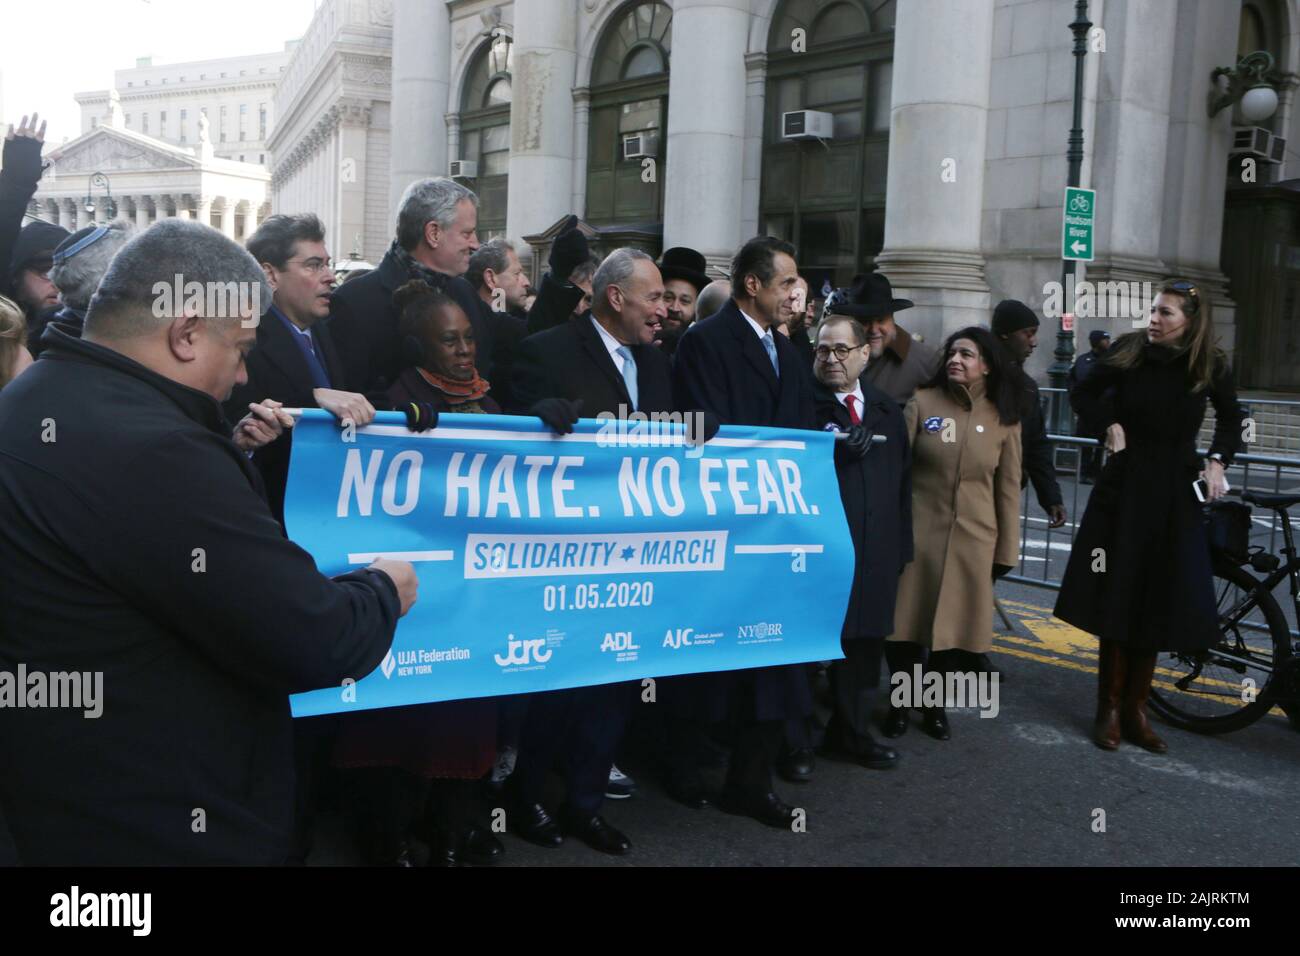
[611,343]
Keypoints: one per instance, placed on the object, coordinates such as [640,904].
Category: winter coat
[965,517]
[1140,570]
[877,494]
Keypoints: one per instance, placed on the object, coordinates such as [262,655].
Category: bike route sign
[1077,223]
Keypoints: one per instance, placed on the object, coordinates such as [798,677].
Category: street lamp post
[100,181]
[1060,369]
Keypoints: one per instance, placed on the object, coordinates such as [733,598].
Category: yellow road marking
[1055,637]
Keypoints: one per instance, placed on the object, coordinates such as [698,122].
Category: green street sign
[1077,223]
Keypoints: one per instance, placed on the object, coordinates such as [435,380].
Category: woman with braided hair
[420,766]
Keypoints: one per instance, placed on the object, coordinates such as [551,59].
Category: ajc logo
[681,637]
[524,652]
[933,424]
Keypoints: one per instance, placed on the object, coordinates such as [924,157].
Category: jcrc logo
[616,641]
[762,629]
[519,653]
[678,637]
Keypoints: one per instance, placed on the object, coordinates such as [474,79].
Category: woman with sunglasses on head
[964,426]
[1139,574]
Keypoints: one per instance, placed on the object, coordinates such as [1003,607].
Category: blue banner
[620,552]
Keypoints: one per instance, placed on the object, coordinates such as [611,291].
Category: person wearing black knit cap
[1016,326]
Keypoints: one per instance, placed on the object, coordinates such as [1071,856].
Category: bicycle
[1255,666]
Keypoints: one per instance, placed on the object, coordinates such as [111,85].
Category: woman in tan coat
[965,434]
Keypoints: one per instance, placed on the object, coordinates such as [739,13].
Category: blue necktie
[629,373]
[771,352]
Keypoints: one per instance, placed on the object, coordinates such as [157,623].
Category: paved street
[1020,788]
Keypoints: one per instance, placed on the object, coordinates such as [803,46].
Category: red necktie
[851,401]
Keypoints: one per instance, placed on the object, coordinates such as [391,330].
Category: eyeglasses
[841,352]
[315,264]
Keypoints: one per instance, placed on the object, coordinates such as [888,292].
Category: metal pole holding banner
[839,436]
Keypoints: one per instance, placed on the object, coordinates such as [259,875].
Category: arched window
[828,196]
[629,105]
[485,130]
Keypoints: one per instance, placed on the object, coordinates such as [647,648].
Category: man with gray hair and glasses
[437,221]
[139,551]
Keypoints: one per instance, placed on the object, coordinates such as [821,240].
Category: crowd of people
[143,463]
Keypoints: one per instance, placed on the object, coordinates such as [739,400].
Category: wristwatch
[1215,456]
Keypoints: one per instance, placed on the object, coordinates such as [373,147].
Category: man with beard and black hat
[899,363]
[684,280]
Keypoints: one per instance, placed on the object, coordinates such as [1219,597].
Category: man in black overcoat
[876,488]
[601,362]
[437,221]
[137,547]
[736,365]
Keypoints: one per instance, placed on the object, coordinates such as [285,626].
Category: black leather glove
[22,167]
[1000,570]
[858,442]
[557,414]
[420,416]
[568,251]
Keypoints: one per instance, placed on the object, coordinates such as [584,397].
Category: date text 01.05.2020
[582,597]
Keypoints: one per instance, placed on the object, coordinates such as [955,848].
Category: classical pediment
[109,150]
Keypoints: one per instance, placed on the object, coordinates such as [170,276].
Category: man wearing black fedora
[684,279]
[899,363]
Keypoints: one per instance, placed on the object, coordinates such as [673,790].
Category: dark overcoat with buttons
[1140,569]
[877,494]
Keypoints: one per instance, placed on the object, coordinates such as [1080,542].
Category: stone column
[66,216]
[541,117]
[205,210]
[938,125]
[252,219]
[1190,217]
[226,212]
[421,79]
[352,137]
[183,206]
[1132,138]
[141,212]
[581,144]
[706,126]
[755,101]
[84,218]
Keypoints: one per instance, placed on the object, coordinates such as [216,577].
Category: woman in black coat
[1139,574]
[876,489]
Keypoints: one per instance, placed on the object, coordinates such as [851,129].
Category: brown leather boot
[1110,690]
[1133,715]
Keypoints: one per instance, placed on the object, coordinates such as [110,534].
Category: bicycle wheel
[1210,693]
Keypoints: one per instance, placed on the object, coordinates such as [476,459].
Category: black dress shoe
[877,756]
[481,848]
[765,808]
[688,792]
[597,834]
[896,722]
[935,722]
[534,824]
[796,766]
